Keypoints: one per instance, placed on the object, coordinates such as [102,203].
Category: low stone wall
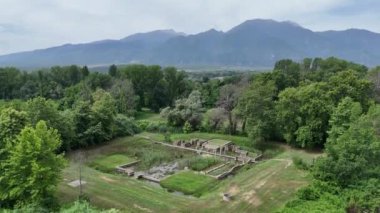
[125,168]
[232,170]
[143,176]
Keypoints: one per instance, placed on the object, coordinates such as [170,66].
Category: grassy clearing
[188,182]
[108,163]
[262,187]
[146,114]
[201,163]
[146,152]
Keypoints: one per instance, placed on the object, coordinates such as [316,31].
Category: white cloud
[44,23]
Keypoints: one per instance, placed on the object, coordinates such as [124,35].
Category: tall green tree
[175,83]
[42,109]
[302,117]
[123,93]
[112,71]
[33,169]
[228,99]
[342,117]
[257,106]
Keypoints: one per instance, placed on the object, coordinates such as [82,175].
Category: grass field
[262,187]
[188,182]
[109,163]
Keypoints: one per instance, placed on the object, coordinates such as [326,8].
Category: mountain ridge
[253,43]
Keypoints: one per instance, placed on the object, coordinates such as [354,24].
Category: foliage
[303,119]
[213,119]
[299,163]
[257,106]
[124,95]
[228,99]
[187,127]
[11,124]
[185,110]
[42,109]
[32,169]
[346,179]
[124,126]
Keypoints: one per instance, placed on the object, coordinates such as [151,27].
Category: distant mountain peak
[156,33]
[253,43]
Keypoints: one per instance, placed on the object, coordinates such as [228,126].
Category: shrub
[125,126]
[187,128]
[299,163]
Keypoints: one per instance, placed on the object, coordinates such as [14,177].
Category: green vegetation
[63,109]
[190,183]
[31,169]
[201,163]
[107,190]
[147,115]
[109,163]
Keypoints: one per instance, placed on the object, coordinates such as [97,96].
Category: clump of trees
[295,102]
[186,111]
[29,163]
[347,178]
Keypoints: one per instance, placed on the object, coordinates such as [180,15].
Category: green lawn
[188,182]
[109,163]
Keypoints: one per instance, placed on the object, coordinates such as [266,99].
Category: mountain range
[254,43]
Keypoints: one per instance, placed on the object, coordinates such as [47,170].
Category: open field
[188,182]
[108,163]
[262,187]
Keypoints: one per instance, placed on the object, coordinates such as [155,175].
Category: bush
[187,128]
[142,124]
[300,164]
[167,137]
[125,126]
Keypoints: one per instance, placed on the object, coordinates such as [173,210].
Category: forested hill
[254,43]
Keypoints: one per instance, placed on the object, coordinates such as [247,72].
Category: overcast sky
[32,24]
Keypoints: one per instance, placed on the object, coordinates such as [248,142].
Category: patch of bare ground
[107,179]
[233,190]
[252,198]
[142,208]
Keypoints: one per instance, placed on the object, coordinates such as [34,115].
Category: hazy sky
[32,24]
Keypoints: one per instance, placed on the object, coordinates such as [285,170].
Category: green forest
[330,106]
